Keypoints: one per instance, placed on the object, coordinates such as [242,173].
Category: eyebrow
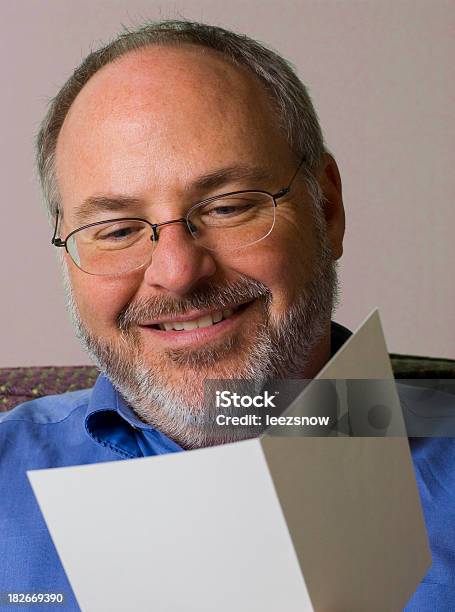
[230,174]
[210,181]
[96,204]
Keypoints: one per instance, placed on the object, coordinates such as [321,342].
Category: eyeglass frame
[58,242]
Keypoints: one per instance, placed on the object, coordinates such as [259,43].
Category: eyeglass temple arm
[58,242]
[287,189]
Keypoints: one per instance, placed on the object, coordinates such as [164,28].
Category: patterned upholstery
[18,385]
[411,366]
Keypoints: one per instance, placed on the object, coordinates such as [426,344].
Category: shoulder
[49,409]
[428,407]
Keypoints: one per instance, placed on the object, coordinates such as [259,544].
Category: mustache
[213,296]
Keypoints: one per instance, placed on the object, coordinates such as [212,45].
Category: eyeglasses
[223,223]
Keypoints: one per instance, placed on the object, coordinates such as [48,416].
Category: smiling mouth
[207,320]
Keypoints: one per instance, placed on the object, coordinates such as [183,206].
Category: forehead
[164,112]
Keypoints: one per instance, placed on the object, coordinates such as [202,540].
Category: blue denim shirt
[96,425]
[89,426]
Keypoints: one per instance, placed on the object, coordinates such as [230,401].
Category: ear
[330,182]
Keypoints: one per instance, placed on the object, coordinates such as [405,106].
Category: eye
[227,208]
[112,235]
[119,232]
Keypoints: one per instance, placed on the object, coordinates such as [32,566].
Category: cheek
[100,299]
[283,262]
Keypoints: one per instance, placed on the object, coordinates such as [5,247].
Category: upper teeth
[205,321]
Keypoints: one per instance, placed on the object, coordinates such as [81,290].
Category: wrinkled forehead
[167,111]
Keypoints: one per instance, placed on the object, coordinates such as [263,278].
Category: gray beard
[281,349]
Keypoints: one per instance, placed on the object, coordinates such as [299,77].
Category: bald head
[160,116]
[169,77]
[293,108]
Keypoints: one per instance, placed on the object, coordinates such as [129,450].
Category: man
[200,218]
[175,126]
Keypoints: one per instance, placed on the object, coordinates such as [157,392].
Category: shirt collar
[110,422]
[105,397]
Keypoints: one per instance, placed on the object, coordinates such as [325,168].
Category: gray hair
[289,96]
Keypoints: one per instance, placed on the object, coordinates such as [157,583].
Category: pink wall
[379,75]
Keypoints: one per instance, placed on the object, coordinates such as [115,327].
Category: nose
[178,262]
